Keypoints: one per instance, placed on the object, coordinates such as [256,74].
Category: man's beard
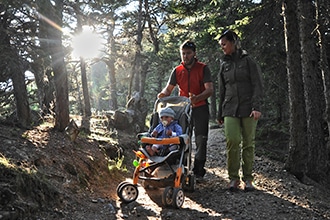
[191,61]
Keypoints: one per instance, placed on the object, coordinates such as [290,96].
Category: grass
[4,161]
[117,164]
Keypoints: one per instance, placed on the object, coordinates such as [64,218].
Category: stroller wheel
[167,197]
[120,185]
[178,198]
[128,192]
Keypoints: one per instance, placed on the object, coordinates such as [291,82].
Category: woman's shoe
[233,185]
[249,186]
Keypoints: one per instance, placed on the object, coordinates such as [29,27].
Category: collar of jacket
[236,55]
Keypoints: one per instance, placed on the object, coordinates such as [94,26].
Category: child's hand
[169,132]
[154,133]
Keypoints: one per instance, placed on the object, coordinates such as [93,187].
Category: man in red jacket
[194,81]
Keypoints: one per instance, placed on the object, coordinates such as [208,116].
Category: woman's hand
[255,114]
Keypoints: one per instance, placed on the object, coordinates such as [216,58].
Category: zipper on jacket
[237,92]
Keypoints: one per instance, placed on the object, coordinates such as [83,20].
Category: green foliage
[117,164]
[259,26]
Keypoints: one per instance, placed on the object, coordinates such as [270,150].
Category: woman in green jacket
[241,93]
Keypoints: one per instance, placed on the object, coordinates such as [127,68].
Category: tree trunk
[143,78]
[87,104]
[321,32]
[298,149]
[22,104]
[11,65]
[322,20]
[137,65]
[41,65]
[38,72]
[111,66]
[59,69]
[317,159]
[84,83]
[79,93]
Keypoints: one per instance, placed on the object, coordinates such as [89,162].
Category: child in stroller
[166,128]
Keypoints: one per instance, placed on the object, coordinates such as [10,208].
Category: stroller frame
[181,177]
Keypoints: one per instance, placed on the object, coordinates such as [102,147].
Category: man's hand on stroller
[166,91]
[161,95]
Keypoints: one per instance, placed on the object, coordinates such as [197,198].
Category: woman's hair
[232,37]
[188,44]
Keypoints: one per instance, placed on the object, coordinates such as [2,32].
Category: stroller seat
[180,141]
[159,159]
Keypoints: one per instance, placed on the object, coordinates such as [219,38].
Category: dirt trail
[45,176]
[279,195]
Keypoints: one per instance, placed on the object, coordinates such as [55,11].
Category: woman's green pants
[240,139]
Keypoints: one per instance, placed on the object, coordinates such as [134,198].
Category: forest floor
[43,175]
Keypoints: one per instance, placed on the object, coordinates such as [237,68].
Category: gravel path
[279,195]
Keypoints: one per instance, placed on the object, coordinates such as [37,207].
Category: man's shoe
[199,175]
[233,185]
[199,179]
[249,186]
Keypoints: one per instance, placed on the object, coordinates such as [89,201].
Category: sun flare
[87,44]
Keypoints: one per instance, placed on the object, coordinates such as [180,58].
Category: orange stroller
[172,171]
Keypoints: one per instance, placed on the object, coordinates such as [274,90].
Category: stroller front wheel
[178,198]
[128,192]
